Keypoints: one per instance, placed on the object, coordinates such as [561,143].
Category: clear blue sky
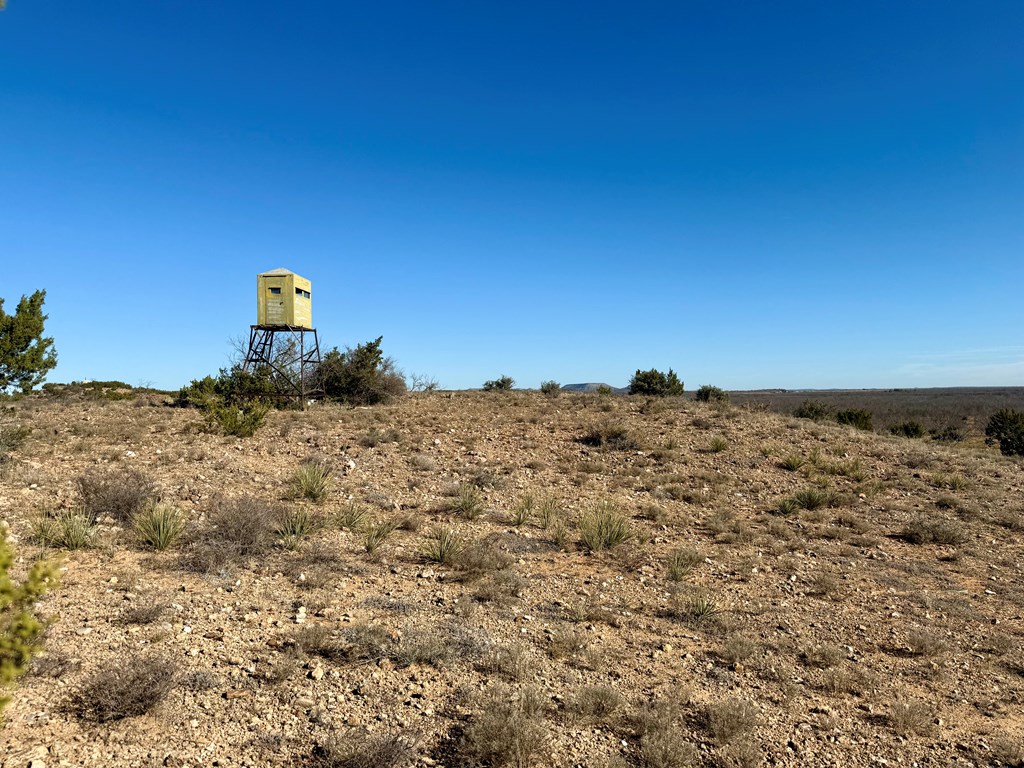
[783,194]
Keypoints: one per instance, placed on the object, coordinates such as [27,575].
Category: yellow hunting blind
[283,299]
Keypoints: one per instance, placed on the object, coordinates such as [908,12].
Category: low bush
[815,410]
[129,687]
[363,751]
[948,434]
[655,383]
[117,494]
[502,384]
[238,529]
[1006,427]
[237,420]
[707,393]
[856,417]
[507,731]
[910,429]
[609,434]
[360,376]
[550,388]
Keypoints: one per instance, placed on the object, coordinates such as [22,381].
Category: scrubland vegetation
[514,579]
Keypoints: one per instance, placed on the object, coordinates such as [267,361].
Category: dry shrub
[437,647]
[119,494]
[508,731]
[127,688]
[480,558]
[239,529]
[731,720]
[912,717]
[595,702]
[922,643]
[924,530]
[364,751]
[512,661]
[737,648]
[143,611]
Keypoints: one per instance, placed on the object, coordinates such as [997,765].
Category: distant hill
[593,387]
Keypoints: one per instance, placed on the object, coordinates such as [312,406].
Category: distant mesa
[593,387]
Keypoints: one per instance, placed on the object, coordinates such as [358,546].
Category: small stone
[304,702]
[317,673]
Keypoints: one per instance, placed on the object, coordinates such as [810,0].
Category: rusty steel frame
[262,346]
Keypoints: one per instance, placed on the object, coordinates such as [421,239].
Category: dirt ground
[786,592]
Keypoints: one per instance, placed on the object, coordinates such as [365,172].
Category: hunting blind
[284,318]
[283,299]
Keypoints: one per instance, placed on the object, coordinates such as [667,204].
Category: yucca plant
[295,524]
[351,516]
[69,529]
[159,526]
[604,528]
[444,545]
[313,480]
[522,511]
[377,534]
[468,503]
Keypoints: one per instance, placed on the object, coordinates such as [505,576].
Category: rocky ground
[786,593]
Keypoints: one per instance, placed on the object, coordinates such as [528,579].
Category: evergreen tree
[25,354]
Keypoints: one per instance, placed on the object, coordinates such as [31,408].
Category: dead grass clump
[508,731]
[731,720]
[595,703]
[119,494]
[143,611]
[610,435]
[480,558]
[367,642]
[567,642]
[239,529]
[657,726]
[924,530]
[318,640]
[375,437]
[364,751]
[822,656]
[912,717]
[512,661]
[501,588]
[737,648]
[437,647]
[922,643]
[132,686]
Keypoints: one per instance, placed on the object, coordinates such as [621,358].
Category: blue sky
[790,194]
